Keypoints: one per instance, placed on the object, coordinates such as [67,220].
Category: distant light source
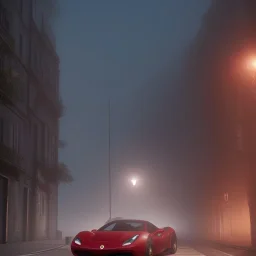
[134,182]
[226,197]
[252,63]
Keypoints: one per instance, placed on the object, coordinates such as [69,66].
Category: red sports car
[125,238]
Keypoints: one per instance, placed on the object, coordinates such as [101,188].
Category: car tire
[149,249]
[174,245]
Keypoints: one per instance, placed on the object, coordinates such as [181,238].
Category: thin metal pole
[109,161]
[239,119]
[142,121]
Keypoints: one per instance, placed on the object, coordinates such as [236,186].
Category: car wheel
[174,245]
[149,249]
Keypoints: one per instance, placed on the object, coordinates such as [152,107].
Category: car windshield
[123,225]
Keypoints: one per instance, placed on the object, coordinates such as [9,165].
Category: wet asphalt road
[183,250]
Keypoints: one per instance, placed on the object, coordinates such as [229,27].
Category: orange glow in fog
[251,64]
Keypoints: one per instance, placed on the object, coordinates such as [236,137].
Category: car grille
[121,254]
[79,253]
[83,254]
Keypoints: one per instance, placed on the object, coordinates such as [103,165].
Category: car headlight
[130,241]
[77,241]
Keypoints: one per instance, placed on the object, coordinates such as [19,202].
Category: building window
[36,154]
[15,138]
[35,60]
[2,63]
[21,6]
[43,142]
[226,197]
[47,145]
[42,23]
[53,150]
[39,202]
[1,130]
[21,46]
[34,9]
[42,204]
[3,18]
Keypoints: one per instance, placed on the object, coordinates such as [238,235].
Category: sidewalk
[233,249]
[21,248]
[225,246]
[227,249]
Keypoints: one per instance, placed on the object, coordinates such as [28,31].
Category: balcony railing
[12,80]
[57,173]
[9,156]
[60,108]
[7,90]
[49,35]
[10,86]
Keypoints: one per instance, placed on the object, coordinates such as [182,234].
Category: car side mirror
[94,230]
[158,232]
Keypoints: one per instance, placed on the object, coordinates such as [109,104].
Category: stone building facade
[29,120]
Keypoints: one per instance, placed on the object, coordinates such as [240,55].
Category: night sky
[112,49]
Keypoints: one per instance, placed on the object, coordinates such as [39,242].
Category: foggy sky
[112,49]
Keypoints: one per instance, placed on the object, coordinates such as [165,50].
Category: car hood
[106,236]
[120,236]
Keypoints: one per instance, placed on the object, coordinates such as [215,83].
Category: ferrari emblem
[102,247]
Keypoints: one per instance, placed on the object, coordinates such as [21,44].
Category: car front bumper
[79,251]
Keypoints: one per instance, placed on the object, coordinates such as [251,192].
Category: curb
[223,245]
[235,246]
[42,251]
[225,253]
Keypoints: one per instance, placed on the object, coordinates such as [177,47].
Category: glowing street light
[252,63]
[251,67]
[134,182]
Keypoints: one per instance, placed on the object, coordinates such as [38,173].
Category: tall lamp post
[252,68]
[134,181]
[250,64]
[109,161]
